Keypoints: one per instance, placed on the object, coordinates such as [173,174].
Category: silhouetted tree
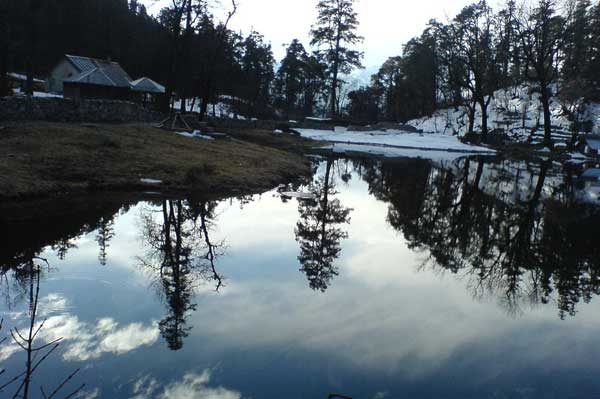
[319,231]
[334,33]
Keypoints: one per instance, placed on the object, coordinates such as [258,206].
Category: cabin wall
[64,70]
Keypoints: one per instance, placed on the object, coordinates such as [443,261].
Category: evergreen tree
[592,69]
[384,85]
[334,33]
[577,45]
[257,65]
[291,80]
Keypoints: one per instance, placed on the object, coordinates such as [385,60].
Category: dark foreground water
[403,279]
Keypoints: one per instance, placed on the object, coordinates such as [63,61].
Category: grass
[287,142]
[39,159]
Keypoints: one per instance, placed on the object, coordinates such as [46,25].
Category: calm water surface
[465,278]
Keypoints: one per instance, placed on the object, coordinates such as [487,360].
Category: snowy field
[393,143]
[518,111]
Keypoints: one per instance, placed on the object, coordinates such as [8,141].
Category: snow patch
[394,139]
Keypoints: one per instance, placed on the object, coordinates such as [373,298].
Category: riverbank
[40,159]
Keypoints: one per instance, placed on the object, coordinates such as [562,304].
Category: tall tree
[291,79]
[384,82]
[7,11]
[334,33]
[541,33]
[319,231]
[577,45]
[474,37]
[257,65]
[592,72]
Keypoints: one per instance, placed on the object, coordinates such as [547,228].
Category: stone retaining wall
[66,110]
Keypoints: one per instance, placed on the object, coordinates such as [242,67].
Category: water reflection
[319,230]
[37,349]
[515,229]
[520,232]
[182,256]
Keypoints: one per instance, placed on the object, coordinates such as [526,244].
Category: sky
[385,24]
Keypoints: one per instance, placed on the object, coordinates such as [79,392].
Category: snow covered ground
[394,143]
[38,94]
[518,111]
[222,109]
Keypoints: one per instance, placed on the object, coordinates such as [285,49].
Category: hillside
[518,112]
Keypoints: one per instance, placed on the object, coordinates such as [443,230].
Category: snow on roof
[19,76]
[147,85]
[99,72]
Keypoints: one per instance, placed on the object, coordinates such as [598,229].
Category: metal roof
[147,85]
[83,64]
[99,72]
[95,76]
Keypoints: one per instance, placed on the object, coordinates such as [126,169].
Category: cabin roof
[147,85]
[98,72]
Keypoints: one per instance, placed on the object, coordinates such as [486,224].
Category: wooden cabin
[80,78]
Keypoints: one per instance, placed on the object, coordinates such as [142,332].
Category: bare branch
[63,383]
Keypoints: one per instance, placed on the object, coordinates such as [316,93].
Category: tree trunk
[4,90]
[31,44]
[333,95]
[545,98]
[484,119]
[471,118]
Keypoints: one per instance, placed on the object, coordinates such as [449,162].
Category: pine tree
[334,33]
[291,79]
[577,45]
[257,65]
[592,69]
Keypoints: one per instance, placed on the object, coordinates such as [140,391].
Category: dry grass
[287,142]
[43,158]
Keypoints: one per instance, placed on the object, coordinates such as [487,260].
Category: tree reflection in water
[319,233]
[514,229]
[21,385]
[182,256]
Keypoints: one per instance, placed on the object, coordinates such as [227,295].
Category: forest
[552,46]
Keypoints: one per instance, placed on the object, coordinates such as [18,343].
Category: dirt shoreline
[40,160]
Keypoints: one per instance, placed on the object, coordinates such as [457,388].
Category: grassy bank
[39,159]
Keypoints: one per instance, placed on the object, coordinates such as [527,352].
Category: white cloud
[192,386]
[82,341]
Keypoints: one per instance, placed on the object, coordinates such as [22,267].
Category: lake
[400,278]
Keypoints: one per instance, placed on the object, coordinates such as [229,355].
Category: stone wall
[66,110]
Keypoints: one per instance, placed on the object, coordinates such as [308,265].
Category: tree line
[187,48]
[462,63]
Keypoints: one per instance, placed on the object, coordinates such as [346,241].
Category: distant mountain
[361,77]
